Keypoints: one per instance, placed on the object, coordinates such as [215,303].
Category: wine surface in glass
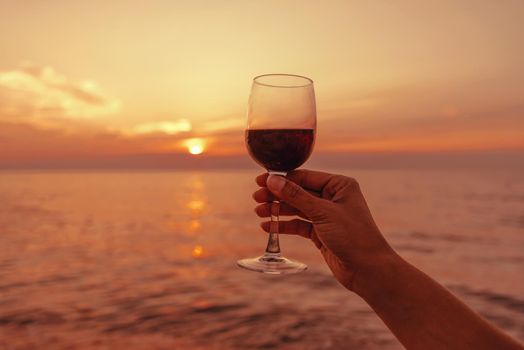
[280,149]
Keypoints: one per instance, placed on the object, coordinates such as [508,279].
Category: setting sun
[196,149]
[195,146]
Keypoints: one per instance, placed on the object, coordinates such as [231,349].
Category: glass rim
[309,81]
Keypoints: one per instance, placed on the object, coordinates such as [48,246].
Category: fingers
[296,196]
[309,179]
[263,195]
[295,227]
[261,179]
[264,210]
[291,227]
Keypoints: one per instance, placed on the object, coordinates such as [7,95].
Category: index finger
[310,179]
[262,179]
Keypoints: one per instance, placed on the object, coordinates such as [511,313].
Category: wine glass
[280,136]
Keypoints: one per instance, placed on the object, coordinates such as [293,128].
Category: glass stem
[273,246]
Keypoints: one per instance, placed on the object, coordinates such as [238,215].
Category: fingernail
[276,182]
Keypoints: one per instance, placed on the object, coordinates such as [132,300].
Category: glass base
[272,264]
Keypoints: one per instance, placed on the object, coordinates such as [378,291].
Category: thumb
[294,195]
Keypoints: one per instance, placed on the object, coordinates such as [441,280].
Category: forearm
[421,313]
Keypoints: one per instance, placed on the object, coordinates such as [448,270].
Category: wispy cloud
[34,92]
[165,127]
[219,125]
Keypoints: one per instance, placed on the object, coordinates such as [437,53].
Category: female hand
[332,213]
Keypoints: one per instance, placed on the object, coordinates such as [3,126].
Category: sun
[195,146]
[196,149]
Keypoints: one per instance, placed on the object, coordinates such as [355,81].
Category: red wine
[280,149]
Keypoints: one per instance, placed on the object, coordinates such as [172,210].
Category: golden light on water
[197,251]
[195,225]
[195,145]
[196,206]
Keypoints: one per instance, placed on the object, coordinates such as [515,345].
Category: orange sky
[129,77]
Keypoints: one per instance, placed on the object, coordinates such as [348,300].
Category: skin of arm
[333,213]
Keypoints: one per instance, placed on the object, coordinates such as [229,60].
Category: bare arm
[420,312]
[423,314]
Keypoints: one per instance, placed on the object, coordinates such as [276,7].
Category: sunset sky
[101,78]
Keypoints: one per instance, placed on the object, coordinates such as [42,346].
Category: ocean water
[146,260]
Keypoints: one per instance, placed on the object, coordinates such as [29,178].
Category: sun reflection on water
[194,225]
[196,206]
[197,251]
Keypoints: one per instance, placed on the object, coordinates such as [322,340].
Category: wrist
[370,276]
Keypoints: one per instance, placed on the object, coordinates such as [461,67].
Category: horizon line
[511,159]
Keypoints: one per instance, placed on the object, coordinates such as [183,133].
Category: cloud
[166,127]
[32,92]
[212,126]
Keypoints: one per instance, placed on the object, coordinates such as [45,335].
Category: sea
[147,259]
